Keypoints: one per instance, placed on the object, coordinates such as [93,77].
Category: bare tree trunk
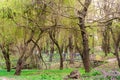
[65,53]
[93,43]
[60,49]
[117,55]
[24,57]
[106,40]
[7,60]
[51,51]
[5,52]
[21,61]
[85,53]
[19,66]
[71,50]
[61,59]
[116,43]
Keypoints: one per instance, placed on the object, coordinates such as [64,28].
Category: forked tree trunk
[19,67]
[23,59]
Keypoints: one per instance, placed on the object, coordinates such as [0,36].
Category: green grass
[50,74]
[39,74]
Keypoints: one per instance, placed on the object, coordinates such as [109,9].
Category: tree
[60,48]
[85,52]
[5,47]
[32,28]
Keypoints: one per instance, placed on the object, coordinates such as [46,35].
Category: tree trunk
[71,57]
[60,49]
[65,53]
[85,54]
[61,59]
[19,67]
[51,51]
[85,51]
[106,40]
[23,59]
[116,43]
[117,55]
[7,60]
[71,50]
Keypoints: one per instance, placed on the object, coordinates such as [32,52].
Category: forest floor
[110,65]
[59,74]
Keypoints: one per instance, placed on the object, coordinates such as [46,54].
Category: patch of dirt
[111,65]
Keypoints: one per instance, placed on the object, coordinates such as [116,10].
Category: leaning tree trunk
[117,55]
[85,53]
[116,43]
[19,66]
[21,60]
[60,49]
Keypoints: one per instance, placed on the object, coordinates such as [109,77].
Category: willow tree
[5,43]
[6,34]
[32,21]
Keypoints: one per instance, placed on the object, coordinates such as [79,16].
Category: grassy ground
[58,74]
[42,74]
[51,75]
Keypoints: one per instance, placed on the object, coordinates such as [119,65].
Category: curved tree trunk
[60,49]
[116,45]
[19,67]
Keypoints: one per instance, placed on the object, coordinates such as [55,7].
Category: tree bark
[117,55]
[7,60]
[51,34]
[116,44]
[71,50]
[85,53]
[5,52]
[19,66]
[24,57]
[51,51]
